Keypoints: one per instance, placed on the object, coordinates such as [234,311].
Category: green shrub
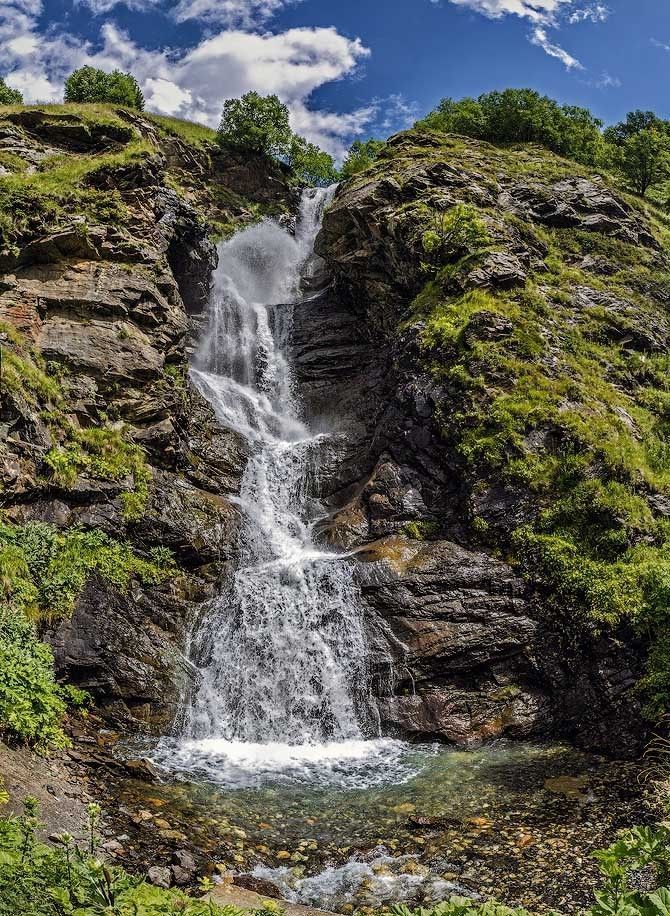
[31,702]
[43,570]
[454,233]
[361,155]
[89,84]
[104,452]
[37,879]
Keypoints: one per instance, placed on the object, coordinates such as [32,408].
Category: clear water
[516,822]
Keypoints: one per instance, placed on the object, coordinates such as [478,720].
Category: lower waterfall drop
[282,652]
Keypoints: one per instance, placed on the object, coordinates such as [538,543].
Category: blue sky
[346,68]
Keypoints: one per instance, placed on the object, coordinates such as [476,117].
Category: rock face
[103,306]
[465,647]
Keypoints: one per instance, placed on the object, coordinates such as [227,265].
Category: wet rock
[258,885]
[185,860]
[141,768]
[180,876]
[160,876]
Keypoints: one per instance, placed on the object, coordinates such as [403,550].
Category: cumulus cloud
[193,82]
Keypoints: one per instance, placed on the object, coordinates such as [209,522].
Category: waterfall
[282,651]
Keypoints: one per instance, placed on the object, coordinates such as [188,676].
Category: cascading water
[282,652]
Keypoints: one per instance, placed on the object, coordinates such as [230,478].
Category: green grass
[194,134]
[44,569]
[539,396]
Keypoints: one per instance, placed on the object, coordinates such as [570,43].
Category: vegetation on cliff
[553,376]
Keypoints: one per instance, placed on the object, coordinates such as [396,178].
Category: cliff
[490,342]
[495,340]
[114,475]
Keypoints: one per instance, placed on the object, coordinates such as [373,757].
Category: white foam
[354,764]
[381,879]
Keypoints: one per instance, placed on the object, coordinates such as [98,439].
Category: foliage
[454,233]
[644,159]
[42,573]
[43,570]
[89,84]
[521,116]
[23,371]
[54,880]
[9,96]
[256,123]
[361,156]
[31,702]
[310,164]
[634,123]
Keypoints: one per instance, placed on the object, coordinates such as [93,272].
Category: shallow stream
[517,822]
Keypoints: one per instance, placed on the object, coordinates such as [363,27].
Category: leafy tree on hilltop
[88,84]
[636,121]
[644,159]
[521,116]
[256,123]
[360,156]
[311,164]
[9,96]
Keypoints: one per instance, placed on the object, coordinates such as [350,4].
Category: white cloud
[232,13]
[663,45]
[102,7]
[541,11]
[193,82]
[246,14]
[607,81]
[596,12]
[540,38]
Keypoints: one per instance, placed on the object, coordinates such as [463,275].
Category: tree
[521,116]
[644,159]
[636,121]
[9,96]
[256,123]
[463,117]
[88,84]
[312,165]
[361,155]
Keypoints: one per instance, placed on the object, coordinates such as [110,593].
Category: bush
[9,96]
[88,84]
[522,116]
[31,702]
[43,570]
[44,880]
[256,123]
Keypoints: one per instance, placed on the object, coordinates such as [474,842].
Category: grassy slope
[561,405]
